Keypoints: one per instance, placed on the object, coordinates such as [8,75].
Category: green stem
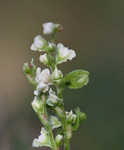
[66,144]
[66,140]
[62,116]
[44,120]
[60,110]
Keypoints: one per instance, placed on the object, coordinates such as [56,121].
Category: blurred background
[95,29]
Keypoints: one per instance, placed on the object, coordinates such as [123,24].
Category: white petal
[38,72]
[38,41]
[42,138]
[41,86]
[45,75]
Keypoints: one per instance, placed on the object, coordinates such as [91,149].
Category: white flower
[39,43]
[43,58]
[43,79]
[55,123]
[49,27]
[64,54]
[57,74]
[42,140]
[52,98]
[71,117]
[42,76]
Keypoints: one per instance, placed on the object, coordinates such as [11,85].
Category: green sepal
[76,79]
[31,80]
[54,122]
[38,105]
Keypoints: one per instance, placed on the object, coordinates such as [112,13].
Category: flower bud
[26,68]
[50,28]
[44,59]
[58,139]
[29,68]
[37,105]
[55,123]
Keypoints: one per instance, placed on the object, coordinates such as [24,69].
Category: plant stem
[66,140]
[62,116]
[66,144]
[60,110]
[44,121]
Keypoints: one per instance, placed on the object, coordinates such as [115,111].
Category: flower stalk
[49,85]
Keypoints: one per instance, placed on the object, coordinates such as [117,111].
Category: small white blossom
[49,27]
[43,79]
[42,76]
[57,74]
[64,54]
[52,98]
[42,140]
[43,59]
[39,43]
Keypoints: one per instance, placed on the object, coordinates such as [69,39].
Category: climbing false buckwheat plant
[49,84]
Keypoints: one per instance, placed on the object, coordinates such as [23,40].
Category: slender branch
[44,120]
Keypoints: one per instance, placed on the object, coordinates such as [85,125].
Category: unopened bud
[37,105]
[44,59]
[58,139]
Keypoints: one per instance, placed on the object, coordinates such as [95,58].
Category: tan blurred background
[95,29]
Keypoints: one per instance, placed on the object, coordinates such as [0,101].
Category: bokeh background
[95,29]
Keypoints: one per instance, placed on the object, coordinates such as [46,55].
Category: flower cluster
[49,84]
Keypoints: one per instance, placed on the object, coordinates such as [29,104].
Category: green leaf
[76,79]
